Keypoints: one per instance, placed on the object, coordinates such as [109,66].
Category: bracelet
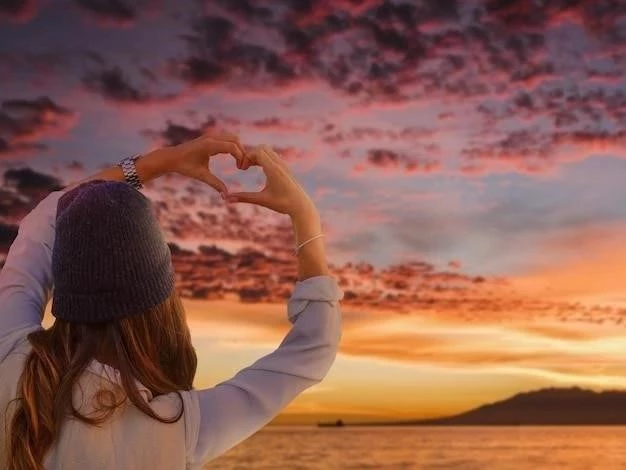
[307,241]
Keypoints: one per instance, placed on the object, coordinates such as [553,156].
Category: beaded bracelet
[307,241]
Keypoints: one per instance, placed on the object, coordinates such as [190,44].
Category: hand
[281,193]
[191,158]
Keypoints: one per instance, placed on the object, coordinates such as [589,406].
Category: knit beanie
[109,259]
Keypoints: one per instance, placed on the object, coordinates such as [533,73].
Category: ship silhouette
[332,424]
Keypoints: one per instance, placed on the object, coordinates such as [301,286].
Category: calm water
[500,448]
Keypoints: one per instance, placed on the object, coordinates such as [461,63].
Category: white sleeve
[26,278]
[237,408]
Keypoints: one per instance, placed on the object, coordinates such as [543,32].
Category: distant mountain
[550,406]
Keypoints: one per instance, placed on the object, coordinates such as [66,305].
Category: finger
[248,158]
[271,152]
[247,161]
[228,146]
[259,198]
[213,181]
[263,158]
[224,134]
[252,159]
[276,165]
[275,156]
[234,138]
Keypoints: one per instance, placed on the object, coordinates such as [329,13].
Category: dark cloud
[201,71]
[24,122]
[18,10]
[385,159]
[213,32]
[38,106]
[26,179]
[390,51]
[137,85]
[13,207]
[110,12]
[411,135]
[423,166]
[582,117]
[217,55]
[280,124]
[495,55]
[421,141]
[253,294]
[7,236]
[113,85]
[535,150]
[36,69]
[256,59]
[21,191]
[175,134]
[209,41]
[247,10]
[30,182]
[513,14]
[306,30]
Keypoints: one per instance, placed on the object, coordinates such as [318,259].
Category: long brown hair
[153,347]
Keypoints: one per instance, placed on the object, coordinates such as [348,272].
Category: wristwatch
[130,171]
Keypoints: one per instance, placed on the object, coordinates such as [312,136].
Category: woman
[109,385]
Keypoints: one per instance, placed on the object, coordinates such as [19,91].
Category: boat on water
[334,424]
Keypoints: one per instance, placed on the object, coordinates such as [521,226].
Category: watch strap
[130,171]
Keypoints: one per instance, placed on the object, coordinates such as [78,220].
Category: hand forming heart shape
[282,192]
[191,158]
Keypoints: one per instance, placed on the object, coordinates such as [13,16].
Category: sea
[463,447]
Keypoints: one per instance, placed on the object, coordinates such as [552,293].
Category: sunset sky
[467,158]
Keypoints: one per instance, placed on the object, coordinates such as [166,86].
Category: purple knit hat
[109,259]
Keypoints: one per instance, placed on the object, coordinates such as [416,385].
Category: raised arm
[233,410]
[26,278]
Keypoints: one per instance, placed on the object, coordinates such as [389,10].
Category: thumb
[249,197]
